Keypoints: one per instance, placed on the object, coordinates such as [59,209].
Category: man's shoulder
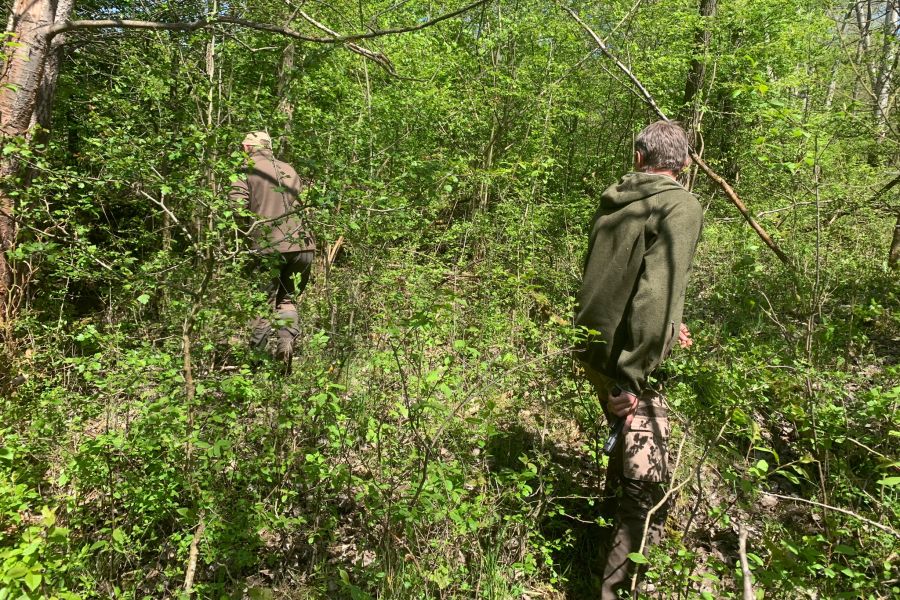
[285,167]
[680,199]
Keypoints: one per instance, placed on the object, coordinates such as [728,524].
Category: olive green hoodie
[642,241]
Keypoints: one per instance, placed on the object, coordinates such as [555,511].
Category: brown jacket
[271,189]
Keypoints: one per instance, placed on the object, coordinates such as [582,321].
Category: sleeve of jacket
[659,294]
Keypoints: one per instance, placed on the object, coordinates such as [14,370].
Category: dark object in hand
[618,423]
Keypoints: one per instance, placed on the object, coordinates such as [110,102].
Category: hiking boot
[284,352]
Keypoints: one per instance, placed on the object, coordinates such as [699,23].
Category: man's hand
[684,337]
[623,405]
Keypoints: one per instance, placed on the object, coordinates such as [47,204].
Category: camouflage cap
[258,139]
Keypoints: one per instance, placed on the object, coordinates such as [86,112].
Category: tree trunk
[285,106]
[697,74]
[894,256]
[20,82]
[885,70]
[47,89]
[27,87]
[24,68]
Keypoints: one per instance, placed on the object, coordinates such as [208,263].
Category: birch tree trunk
[885,69]
[47,88]
[20,85]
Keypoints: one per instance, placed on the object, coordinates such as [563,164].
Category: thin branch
[378,57]
[672,491]
[885,189]
[166,210]
[745,564]
[645,95]
[861,445]
[332,253]
[65,26]
[193,555]
[627,16]
[849,513]
[669,494]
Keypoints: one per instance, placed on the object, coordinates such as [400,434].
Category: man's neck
[667,173]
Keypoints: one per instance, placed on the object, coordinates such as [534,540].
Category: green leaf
[17,571]
[889,481]
[58,534]
[843,549]
[33,580]
[118,535]
[638,558]
[48,517]
[143,298]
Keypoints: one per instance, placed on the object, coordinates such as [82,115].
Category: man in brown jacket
[271,190]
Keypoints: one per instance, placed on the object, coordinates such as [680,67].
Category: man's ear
[638,160]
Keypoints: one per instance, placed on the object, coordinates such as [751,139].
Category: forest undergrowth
[434,438]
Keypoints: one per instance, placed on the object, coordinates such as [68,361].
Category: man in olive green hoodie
[271,189]
[642,242]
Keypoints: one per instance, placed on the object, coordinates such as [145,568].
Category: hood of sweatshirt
[637,186]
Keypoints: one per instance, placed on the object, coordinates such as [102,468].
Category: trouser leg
[635,502]
[264,269]
[292,280]
[636,481]
[286,276]
[260,329]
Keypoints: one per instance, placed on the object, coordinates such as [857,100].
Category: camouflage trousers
[287,275]
[636,481]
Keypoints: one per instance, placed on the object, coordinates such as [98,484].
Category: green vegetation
[434,439]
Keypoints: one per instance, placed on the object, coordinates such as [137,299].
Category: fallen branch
[647,97]
[193,555]
[745,564]
[332,252]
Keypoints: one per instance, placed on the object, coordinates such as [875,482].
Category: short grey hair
[663,146]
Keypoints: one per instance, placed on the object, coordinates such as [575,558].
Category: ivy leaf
[143,298]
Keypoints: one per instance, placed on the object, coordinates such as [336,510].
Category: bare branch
[849,513]
[377,57]
[645,95]
[65,26]
[745,564]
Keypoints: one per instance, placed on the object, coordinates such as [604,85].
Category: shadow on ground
[576,480]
